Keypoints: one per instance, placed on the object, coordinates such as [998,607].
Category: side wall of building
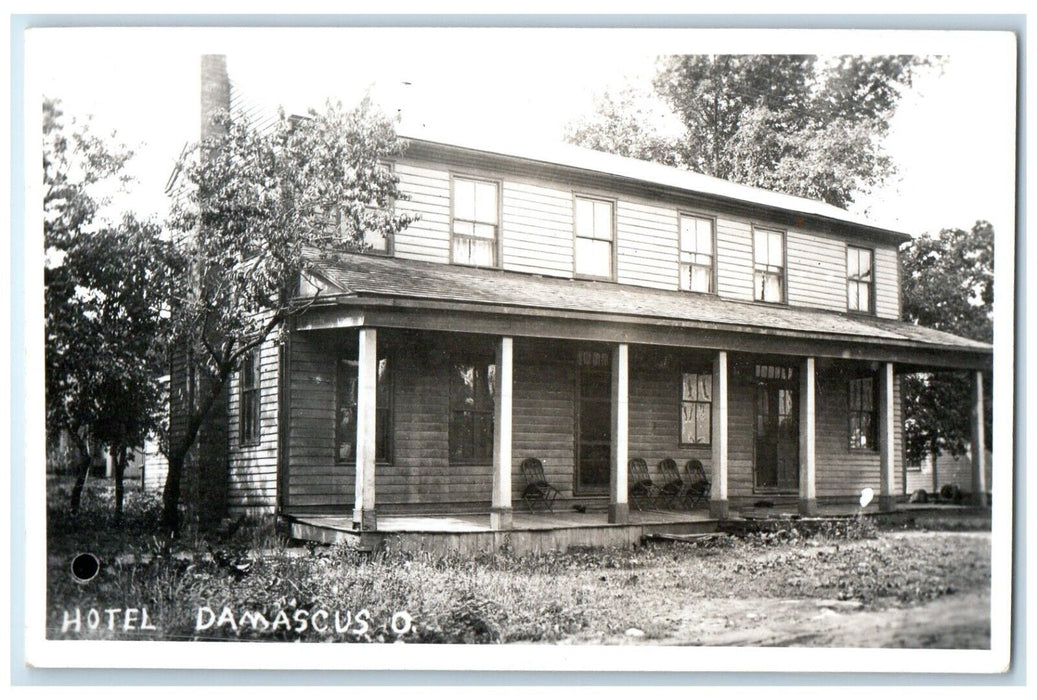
[252,467]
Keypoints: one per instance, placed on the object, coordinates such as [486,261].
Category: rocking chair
[641,488]
[674,487]
[698,485]
[538,493]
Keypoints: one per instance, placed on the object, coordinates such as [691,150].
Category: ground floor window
[696,407]
[248,401]
[346,411]
[473,381]
[862,414]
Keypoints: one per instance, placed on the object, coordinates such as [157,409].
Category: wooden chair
[538,493]
[641,488]
[698,486]
[673,487]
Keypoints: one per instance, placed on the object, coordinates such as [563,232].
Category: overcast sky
[953,138]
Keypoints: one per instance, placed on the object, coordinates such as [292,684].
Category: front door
[776,453]
[593,422]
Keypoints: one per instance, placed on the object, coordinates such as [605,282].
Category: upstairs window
[862,414]
[377,242]
[696,254]
[473,381]
[476,222]
[860,279]
[594,237]
[696,407]
[248,399]
[768,265]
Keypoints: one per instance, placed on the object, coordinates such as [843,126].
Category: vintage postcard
[577,347]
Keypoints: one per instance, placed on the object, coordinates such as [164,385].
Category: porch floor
[522,520]
[538,531]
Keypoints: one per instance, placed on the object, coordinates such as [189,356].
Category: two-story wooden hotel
[584,309]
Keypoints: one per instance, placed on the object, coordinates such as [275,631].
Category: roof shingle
[375,276]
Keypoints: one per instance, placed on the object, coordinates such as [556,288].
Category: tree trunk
[171,494]
[178,455]
[82,470]
[119,458]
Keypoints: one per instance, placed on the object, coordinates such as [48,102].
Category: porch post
[887,448]
[619,509]
[807,438]
[979,451]
[500,506]
[718,491]
[366,396]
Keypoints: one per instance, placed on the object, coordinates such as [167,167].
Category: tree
[623,124]
[105,298]
[794,124]
[948,284]
[261,207]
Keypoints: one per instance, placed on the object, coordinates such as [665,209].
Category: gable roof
[645,172]
[370,276]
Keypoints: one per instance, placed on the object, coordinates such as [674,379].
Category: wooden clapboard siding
[887,282]
[156,467]
[646,243]
[314,478]
[741,400]
[949,469]
[536,236]
[734,259]
[420,472]
[252,469]
[428,192]
[543,419]
[655,386]
[840,470]
[816,270]
[537,229]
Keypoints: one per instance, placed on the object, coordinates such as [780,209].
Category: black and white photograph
[585,348]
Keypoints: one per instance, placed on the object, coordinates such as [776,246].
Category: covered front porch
[407,418]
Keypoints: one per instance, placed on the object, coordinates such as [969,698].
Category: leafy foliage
[261,207]
[794,124]
[106,299]
[948,284]
[623,124]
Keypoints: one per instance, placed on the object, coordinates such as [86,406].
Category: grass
[501,597]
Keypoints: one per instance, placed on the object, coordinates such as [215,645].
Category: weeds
[228,587]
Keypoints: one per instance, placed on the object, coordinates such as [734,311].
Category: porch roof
[354,277]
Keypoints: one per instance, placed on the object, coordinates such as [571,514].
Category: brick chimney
[215,94]
[206,476]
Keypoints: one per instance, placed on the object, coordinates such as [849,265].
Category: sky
[952,139]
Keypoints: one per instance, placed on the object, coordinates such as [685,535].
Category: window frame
[250,424]
[680,252]
[698,370]
[498,226]
[476,360]
[851,411]
[389,388]
[871,284]
[613,242]
[784,263]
